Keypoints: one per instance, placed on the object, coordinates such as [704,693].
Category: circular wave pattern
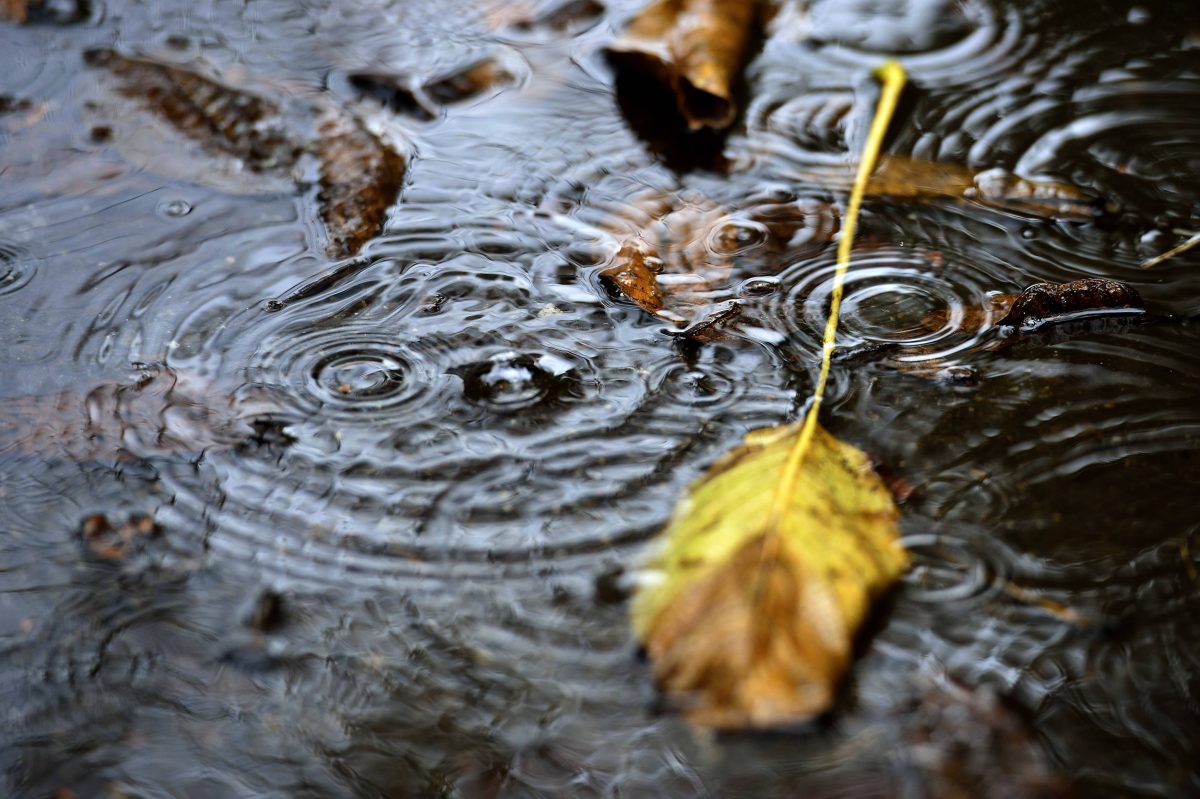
[487,442]
[16,269]
[912,300]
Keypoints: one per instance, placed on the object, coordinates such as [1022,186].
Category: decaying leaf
[771,562]
[915,179]
[360,175]
[753,621]
[697,48]
[684,264]
[676,267]
[360,178]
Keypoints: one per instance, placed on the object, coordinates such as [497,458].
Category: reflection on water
[395,495]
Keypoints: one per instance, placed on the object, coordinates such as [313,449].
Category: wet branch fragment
[360,176]
[697,48]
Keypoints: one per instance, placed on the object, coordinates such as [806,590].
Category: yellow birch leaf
[752,621]
[773,558]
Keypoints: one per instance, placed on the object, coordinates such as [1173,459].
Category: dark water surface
[396,494]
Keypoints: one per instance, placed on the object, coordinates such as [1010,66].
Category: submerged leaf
[360,175]
[698,48]
[753,621]
[224,119]
[912,178]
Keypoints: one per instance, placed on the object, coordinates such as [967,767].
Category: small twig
[1058,610]
[1182,248]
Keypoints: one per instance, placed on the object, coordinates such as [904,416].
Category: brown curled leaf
[1046,303]
[697,48]
[360,178]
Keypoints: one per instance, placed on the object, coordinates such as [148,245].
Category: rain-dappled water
[398,496]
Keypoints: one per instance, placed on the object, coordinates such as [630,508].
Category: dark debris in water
[1046,303]
[116,541]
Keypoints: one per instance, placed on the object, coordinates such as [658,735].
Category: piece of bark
[1041,315]
[469,81]
[360,178]
[1046,303]
[698,48]
[394,93]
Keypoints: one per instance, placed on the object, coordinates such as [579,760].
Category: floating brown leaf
[360,178]
[685,263]
[677,268]
[698,48]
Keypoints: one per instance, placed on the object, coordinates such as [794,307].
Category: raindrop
[511,381]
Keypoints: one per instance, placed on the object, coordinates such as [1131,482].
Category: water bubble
[758,287]
[174,208]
